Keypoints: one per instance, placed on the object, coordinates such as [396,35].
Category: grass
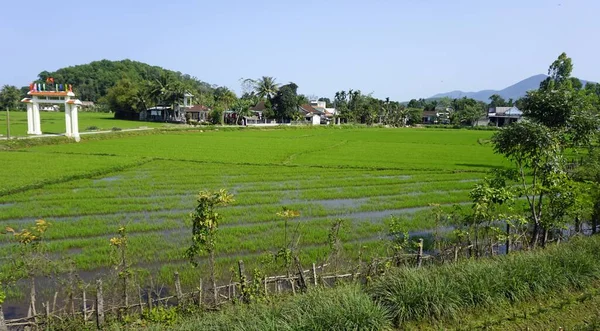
[342,308]
[539,290]
[149,181]
[440,293]
[54,122]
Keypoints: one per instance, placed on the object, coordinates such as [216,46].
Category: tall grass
[342,308]
[443,292]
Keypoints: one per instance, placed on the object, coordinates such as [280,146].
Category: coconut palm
[242,108]
[265,87]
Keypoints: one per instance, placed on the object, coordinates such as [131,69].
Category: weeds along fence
[91,305]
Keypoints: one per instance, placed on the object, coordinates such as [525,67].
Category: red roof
[308,108]
[259,106]
[197,108]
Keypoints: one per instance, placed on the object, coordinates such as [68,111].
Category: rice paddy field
[149,183]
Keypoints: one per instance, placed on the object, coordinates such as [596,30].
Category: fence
[95,310]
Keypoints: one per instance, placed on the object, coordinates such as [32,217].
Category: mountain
[91,81]
[514,92]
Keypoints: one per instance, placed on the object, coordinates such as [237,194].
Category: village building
[502,116]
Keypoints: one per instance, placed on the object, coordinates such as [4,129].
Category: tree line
[128,87]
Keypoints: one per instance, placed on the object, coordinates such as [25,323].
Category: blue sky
[402,49]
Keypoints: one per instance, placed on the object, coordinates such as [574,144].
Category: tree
[558,105]
[125,97]
[205,224]
[471,114]
[497,101]
[303,99]
[224,99]
[328,103]
[241,107]
[266,87]
[9,97]
[285,102]
[559,73]
[536,152]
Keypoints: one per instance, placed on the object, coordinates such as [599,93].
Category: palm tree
[265,87]
[225,98]
[241,109]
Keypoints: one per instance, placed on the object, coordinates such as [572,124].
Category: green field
[54,122]
[149,183]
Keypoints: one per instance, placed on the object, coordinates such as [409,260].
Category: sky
[401,49]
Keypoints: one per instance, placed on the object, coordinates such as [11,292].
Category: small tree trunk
[3,326]
[178,291]
[420,253]
[301,280]
[213,278]
[32,297]
[99,305]
[242,276]
[507,239]
[84,308]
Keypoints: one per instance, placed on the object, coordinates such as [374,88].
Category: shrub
[92,128]
[116,128]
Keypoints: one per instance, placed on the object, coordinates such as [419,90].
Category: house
[49,108]
[163,113]
[443,114]
[198,113]
[501,116]
[313,115]
[429,117]
[440,115]
[87,105]
[329,113]
[160,114]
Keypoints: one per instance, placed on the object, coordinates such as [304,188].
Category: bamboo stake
[99,305]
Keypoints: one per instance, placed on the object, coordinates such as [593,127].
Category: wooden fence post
[178,291]
[507,238]
[420,253]
[455,253]
[99,305]
[84,310]
[3,326]
[32,297]
[301,280]
[149,298]
[242,275]
[314,274]
[47,308]
[200,294]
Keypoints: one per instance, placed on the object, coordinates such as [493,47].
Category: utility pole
[7,124]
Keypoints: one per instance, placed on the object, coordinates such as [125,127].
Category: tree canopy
[92,81]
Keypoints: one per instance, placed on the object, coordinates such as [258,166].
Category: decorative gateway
[52,93]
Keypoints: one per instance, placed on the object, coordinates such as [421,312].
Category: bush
[92,128]
[116,128]
[165,316]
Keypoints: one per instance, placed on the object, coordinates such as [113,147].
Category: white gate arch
[42,94]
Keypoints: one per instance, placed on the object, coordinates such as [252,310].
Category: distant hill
[91,81]
[514,92]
